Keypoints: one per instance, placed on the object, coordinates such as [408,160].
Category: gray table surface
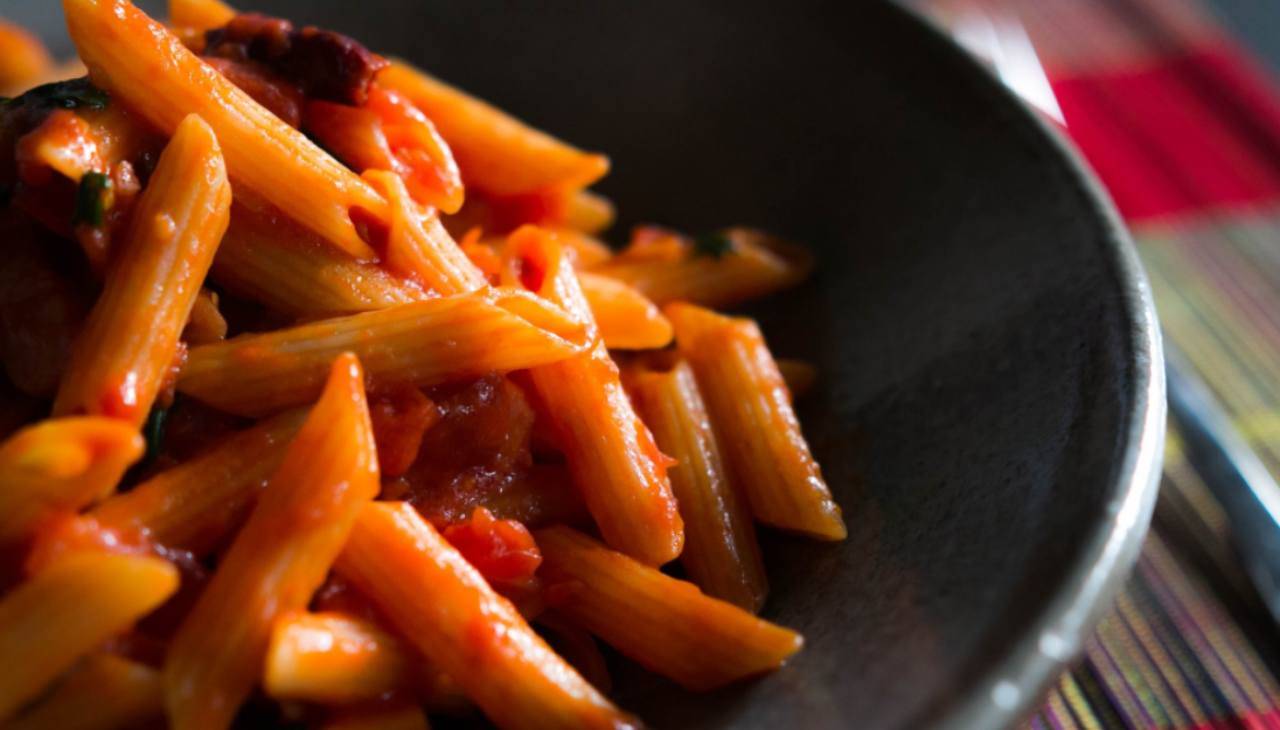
[1257,22]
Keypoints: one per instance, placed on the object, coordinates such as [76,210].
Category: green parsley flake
[92,199]
[715,245]
[153,431]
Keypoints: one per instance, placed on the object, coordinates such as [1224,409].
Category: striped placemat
[1183,127]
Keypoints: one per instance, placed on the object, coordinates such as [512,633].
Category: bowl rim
[1009,688]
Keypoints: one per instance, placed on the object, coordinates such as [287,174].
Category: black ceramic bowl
[991,406]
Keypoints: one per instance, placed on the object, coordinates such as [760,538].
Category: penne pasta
[103,692]
[146,67]
[586,250]
[194,505]
[335,659]
[418,247]
[272,260]
[330,658]
[423,343]
[394,716]
[130,340]
[65,611]
[70,533]
[60,465]
[418,155]
[279,557]
[665,624]
[199,15]
[720,551]
[626,318]
[24,61]
[205,324]
[756,427]
[720,270]
[497,153]
[611,455]
[442,606]
[366,447]
[588,212]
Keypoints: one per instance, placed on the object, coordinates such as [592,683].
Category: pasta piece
[418,154]
[627,319]
[442,606]
[585,250]
[67,70]
[130,340]
[145,66]
[497,153]
[720,551]
[194,505]
[353,134]
[589,212]
[423,343]
[60,465]
[62,613]
[69,533]
[611,455]
[24,61]
[751,411]
[665,624]
[501,215]
[104,692]
[199,15]
[398,716]
[206,323]
[334,658]
[272,260]
[418,246]
[721,270]
[278,558]
[329,658]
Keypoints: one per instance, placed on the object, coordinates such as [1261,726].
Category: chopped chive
[153,431]
[714,245]
[92,199]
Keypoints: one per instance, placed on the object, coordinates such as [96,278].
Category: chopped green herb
[714,245]
[153,431]
[72,94]
[92,199]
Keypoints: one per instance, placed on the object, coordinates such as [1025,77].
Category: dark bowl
[991,407]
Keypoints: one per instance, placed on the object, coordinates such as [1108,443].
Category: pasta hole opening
[532,272]
[660,362]
[371,229]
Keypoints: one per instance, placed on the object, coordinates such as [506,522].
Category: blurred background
[1175,105]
